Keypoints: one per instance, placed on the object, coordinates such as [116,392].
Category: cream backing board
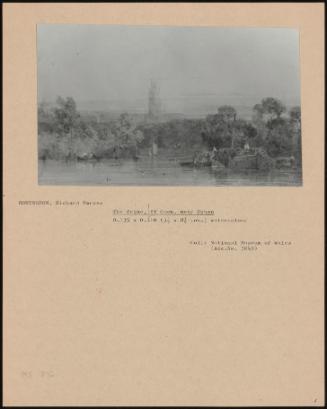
[105,314]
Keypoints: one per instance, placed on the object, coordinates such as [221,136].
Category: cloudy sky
[194,67]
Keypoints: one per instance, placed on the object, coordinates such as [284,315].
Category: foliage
[66,115]
[227,112]
[225,130]
[64,133]
[270,107]
[279,138]
[295,114]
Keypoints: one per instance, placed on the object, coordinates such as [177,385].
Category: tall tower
[154,101]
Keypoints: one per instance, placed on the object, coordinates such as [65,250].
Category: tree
[295,120]
[45,118]
[244,132]
[279,138]
[267,114]
[273,107]
[295,115]
[227,112]
[66,117]
[224,130]
[128,136]
[216,131]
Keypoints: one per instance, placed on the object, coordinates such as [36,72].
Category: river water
[155,172]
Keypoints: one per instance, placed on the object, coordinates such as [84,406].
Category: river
[155,172]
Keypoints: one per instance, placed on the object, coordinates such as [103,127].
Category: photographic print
[168,106]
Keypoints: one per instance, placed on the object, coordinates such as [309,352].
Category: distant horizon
[106,106]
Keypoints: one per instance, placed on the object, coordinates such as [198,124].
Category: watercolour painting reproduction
[168,106]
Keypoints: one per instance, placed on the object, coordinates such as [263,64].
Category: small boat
[217,166]
[187,163]
[87,157]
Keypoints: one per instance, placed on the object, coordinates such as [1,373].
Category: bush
[279,138]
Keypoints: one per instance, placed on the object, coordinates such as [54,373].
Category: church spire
[154,100]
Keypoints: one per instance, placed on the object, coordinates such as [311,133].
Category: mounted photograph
[168,106]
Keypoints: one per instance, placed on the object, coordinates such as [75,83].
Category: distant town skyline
[196,68]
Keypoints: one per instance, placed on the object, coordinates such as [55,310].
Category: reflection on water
[156,172]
